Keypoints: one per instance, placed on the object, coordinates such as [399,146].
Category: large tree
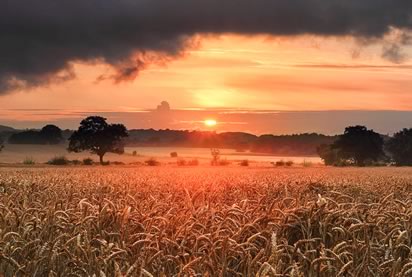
[359,145]
[98,137]
[400,147]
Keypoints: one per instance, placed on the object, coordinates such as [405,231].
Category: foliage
[126,222]
[59,160]
[173,155]
[280,163]
[29,161]
[328,154]
[1,145]
[152,162]
[98,137]
[49,134]
[400,147]
[289,163]
[215,156]
[360,145]
[244,163]
[88,161]
[134,153]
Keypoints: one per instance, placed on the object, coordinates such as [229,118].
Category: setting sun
[210,122]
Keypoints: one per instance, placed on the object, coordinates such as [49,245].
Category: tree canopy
[98,137]
[400,147]
[49,134]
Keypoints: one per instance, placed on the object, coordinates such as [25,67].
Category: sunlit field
[167,221]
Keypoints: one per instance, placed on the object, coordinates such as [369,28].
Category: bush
[76,162]
[88,161]
[280,163]
[181,162]
[289,163]
[193,162]
[152,162]
[134,153]
[29,161]
[244,163]
[223,162]
[174,155]
[118,163]
[58,160]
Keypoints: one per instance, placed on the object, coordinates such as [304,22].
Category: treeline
[49,134]
[359,146]
[299,144]
[285,145]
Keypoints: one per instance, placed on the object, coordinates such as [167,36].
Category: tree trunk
[101,159]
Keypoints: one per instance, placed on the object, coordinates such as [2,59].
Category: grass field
[203,221]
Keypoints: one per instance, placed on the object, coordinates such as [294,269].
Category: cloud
[40,40]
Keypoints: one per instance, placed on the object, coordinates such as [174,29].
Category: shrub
[280,163]
[134,153]
[29,161]
[193,162]
[223,162]
[76,162]
[88,161]
[244,163]
[58,160]
[174,155]
[181,162]
[118,163]
[289,163]
[152,162]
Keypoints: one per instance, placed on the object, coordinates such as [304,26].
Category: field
[204,221]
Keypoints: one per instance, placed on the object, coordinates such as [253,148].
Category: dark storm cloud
[40,39]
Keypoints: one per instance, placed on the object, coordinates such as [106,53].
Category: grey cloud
[39,40]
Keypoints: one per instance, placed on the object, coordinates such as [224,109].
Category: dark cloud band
[40,39]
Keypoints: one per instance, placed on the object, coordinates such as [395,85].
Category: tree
[327,154]
[400,147]
[359,145]
[98,137]
[1,145]
[51,134]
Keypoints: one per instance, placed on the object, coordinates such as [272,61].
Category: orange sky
[233,72]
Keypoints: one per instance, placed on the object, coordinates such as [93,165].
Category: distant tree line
[49,134]
[360,146]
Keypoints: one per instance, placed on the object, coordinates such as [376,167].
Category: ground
[205,221]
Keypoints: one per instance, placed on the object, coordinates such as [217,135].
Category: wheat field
[167,221]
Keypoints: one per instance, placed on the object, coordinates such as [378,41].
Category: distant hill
[7,129]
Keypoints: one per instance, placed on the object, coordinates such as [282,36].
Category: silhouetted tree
[359,145]
[327,154]
[51,134]
[1,144]
[400,147]
[98,137]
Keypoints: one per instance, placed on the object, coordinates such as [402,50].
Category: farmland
[205,221]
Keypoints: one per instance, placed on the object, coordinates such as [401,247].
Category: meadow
[205,221]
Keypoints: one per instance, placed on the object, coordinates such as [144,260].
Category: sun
[210,122]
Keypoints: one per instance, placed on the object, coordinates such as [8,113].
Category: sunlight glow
[210,122]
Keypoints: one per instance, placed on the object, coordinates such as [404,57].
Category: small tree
[327,154]
[360,145]
[98,137]
[400,147]
[215,156]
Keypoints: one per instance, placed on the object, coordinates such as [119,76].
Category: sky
[263,67]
